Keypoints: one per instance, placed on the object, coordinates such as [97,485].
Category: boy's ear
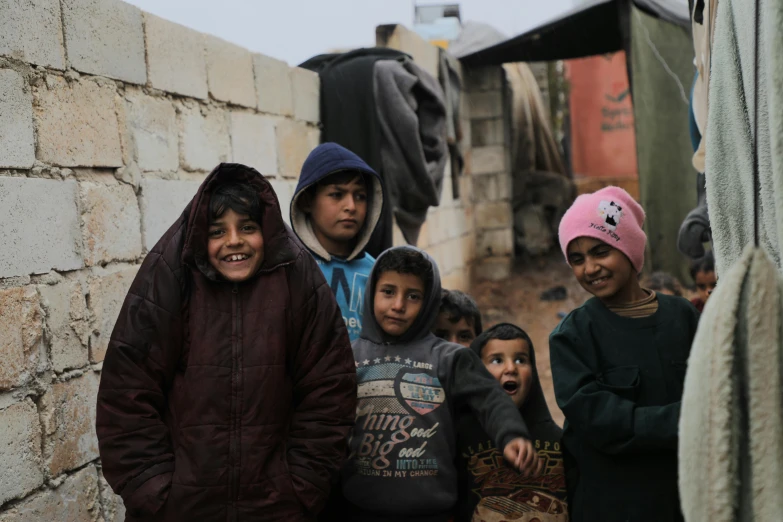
[305,202]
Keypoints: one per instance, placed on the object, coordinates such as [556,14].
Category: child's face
[337,213]
[705,284]
[460,332]
[235,246]
[509,362]
[398,300]
[602,270]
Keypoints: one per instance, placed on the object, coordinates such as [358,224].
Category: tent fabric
[474,37]
[662,62]
[591,27]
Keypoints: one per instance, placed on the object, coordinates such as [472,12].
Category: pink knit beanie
[610,215]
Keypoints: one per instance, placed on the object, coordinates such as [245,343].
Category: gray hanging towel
[731,423]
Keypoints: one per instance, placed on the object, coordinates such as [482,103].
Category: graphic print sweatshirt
[403,446]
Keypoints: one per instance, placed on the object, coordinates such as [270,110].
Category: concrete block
[105,37]
[17,143]
[492,187]
[489,78]
[32,31]
[399,37]
[295,140]
[77,125]
[307,94]
[467,132]
[40,226]
[162,202]
[486,104]
[455,250]
[459,279]
[485,132]
[21,328]
[20,451]
[466,190]
[107,293]
[68,420]
[493,268]
[67,325]
[445,265]
[494,215]
[273,86]
[254,141]
[75,500]
[110,223]
[490,159]
[424,237]
[204,140]
[152,128]
[175,58]
[230,72]
[469,247]
[113,507]
[436,226]
[284,189]
[496,242]
[398,239]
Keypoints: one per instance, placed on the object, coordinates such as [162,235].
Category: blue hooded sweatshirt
[346,276]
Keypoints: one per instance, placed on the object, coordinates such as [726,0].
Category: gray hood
[423,324]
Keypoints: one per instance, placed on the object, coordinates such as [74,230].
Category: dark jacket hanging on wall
[355,113]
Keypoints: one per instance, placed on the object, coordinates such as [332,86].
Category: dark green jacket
[619,383]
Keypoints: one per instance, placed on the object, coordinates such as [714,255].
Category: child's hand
[522,455]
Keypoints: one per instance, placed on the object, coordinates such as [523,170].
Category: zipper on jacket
[236,385]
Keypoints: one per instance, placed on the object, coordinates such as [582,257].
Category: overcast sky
[294,30]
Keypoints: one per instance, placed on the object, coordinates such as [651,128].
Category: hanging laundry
[731,423]
[379,104]
[729,159]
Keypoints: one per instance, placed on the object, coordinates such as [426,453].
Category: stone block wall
[110,118]
[491,171]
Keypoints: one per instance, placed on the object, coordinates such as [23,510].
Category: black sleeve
[472,385]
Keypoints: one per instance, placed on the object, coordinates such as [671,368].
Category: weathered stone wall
[110,118]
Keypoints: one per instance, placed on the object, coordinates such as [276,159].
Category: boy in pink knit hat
[618,365]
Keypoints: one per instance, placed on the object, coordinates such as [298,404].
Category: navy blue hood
[325,160]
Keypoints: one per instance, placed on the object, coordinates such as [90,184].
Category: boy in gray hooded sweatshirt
[403,446]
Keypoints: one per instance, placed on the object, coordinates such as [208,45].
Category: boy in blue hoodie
[334,211]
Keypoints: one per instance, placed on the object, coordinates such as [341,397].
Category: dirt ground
[518,300]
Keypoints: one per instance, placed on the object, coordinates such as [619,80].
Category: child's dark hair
[501,332]
[659,281]
[705,264]
[336,178]
[457,305]
[239,197]
[404,261]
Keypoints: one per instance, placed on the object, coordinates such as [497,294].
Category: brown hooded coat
[226,401]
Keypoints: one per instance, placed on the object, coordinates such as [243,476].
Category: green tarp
[662,70]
